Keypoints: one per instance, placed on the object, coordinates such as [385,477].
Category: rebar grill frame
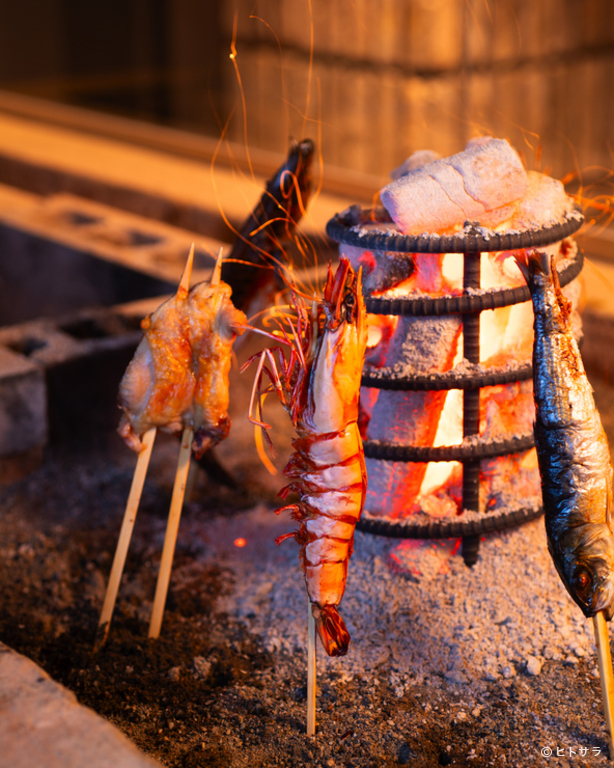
[348,228]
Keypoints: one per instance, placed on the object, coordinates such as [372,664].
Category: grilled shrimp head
[336,354]
[588,572]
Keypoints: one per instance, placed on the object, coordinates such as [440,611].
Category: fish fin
[331,629]
[564,304]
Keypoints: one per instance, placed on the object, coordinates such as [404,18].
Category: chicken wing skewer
[178,382]
[146,442]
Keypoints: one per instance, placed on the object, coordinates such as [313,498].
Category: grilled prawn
[573,453]
[319,386]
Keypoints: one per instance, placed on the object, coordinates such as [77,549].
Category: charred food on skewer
[319,385]
[572,448]
[270,226]
[178,377]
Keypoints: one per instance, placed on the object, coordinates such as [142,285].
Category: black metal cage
[349,228]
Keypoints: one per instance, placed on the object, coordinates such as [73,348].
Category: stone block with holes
[79,360]
[23,415]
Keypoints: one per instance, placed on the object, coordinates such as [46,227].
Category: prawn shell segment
[332,487]
[326,582]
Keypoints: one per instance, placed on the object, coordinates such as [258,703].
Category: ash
[506,615]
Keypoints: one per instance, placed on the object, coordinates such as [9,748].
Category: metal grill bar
[471,403]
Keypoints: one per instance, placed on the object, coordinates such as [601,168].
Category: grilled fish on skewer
[573,453]
[271,225]
[319,386]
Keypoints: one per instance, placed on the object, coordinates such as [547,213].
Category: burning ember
[448,366]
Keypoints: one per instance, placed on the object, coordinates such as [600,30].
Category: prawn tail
[331,629]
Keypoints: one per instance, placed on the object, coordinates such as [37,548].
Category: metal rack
[349,228]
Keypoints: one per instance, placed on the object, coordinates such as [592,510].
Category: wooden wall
[374,80]
[393,76]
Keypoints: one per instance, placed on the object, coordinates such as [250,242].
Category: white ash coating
[485,176]
[503,617]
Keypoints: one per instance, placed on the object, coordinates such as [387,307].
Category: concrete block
[79,360]
[23,415]
[44,725]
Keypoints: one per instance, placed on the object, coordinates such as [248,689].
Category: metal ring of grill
[345,228]
[424,306]
[388,378]
[476,449]
[447,529]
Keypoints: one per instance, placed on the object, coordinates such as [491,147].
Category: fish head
[588,574]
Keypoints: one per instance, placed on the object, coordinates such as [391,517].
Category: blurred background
[372,81]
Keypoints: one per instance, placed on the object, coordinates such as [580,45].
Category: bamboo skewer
[311,671]
[125,535]
[134,498]
[604,659]
[168,551]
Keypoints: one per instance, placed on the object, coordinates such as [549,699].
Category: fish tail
[531,262]
[331,629]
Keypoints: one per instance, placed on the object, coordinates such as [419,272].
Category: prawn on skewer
[318,383]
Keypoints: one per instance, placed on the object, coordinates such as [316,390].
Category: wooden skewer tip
[606,674]
[311,671]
